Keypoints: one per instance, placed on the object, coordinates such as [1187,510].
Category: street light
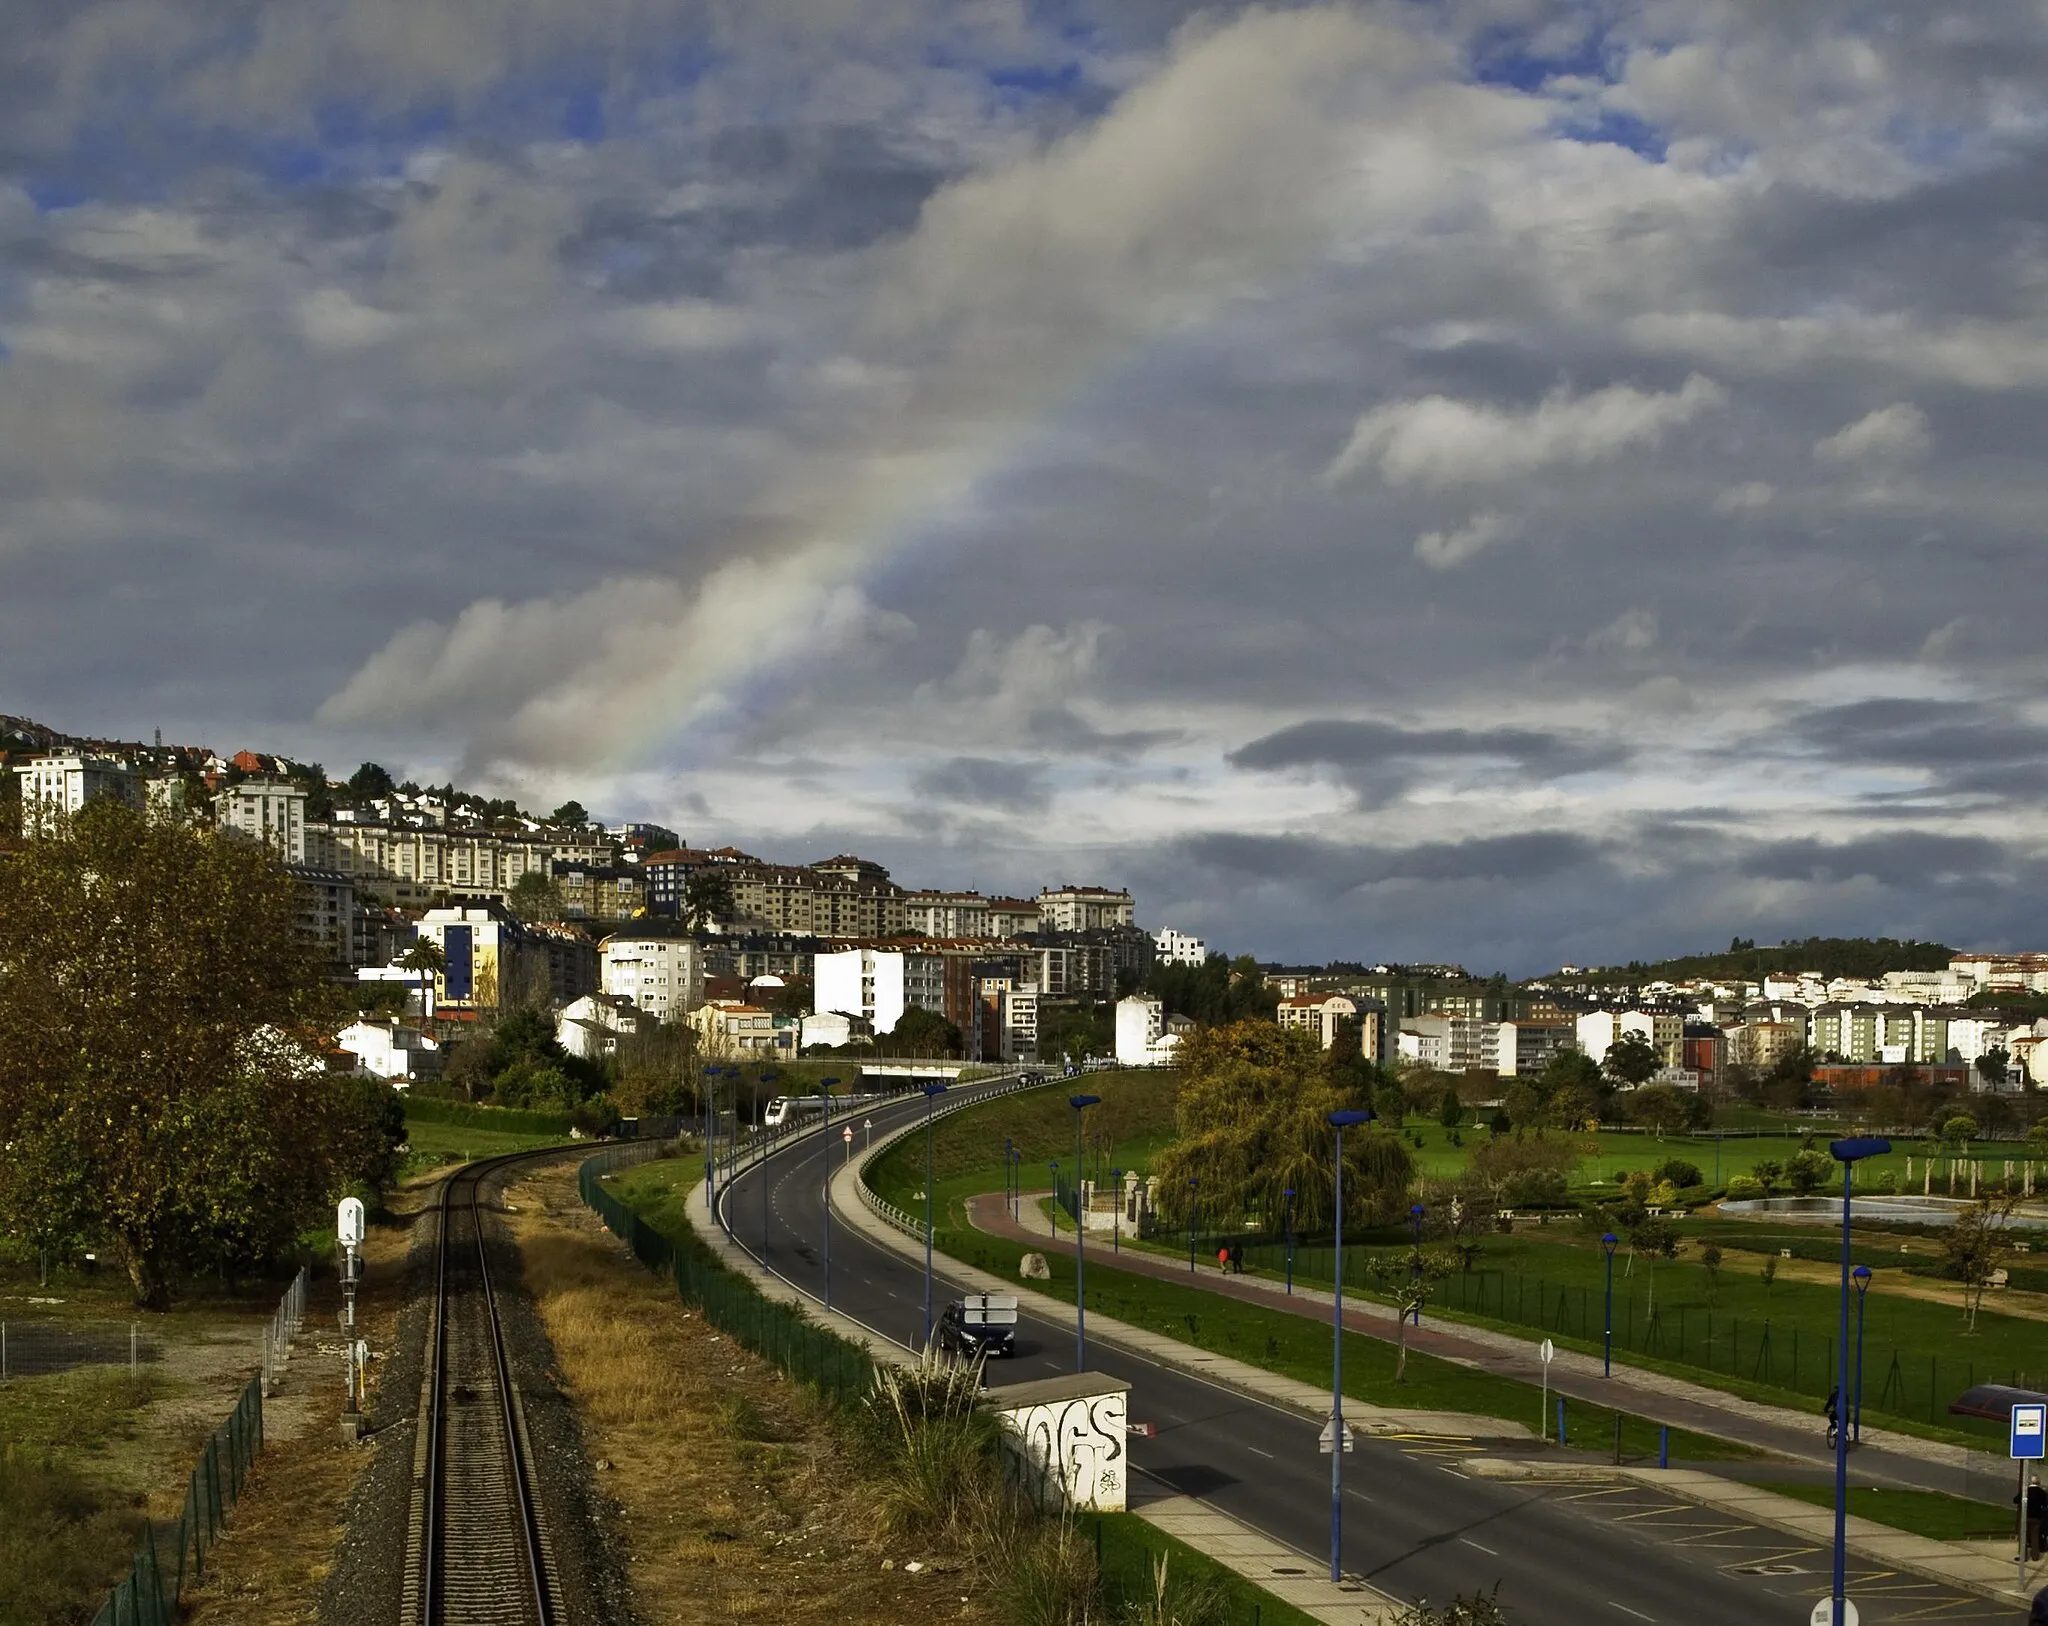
[1116,1220]
[931,1092]
[1415,1261]
[1289,1195]
[1339,1121]
[1192,1184]
[825,1101]
[1080,1104]
[1861,1277]
[1848,1153]
[1053,1213]
[1607,1339]
[1009,1170]
[1016,1181]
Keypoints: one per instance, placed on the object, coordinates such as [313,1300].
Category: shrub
[1809,1170]
[1745,1187]
[1677,1172]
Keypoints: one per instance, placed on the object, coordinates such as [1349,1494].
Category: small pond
[1897,1210]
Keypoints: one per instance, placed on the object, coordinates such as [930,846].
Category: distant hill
[1829,956]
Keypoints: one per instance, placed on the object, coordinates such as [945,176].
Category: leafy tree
[653,1070]
[1959,1131]
[1993,1066]
[535,897]
[1216,992]
[1389,1105]
[161,1022]
[1577,1091]
[1631,1061]
[1767,1173]
[569,813]
[707,898]
[1660,1109]
[1450,1111]
[1710,1262]
[1677,1172]
[1975,1247]
[1769,1274]
[1410,1279]
[369,781]
[1809,1169]
[1791,1077]
[919,1032]
[1252,1120]
[1521,1173]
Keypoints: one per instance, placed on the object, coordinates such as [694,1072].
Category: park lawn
[1918,1355]
[436,1144]
[1299,1347]
[1129,1128]
[1932,1514]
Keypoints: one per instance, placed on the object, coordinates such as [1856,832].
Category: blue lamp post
[1116,1218]
[1415,1260]
[1848,1153]
[705,1089]
[931,1093]
[825,1099]
[1607,1338]
[1192,1184]
[1080,1104]
[1009,1172]
[1289,1195]
[1861,1277]
[1016,1180]
[1053,1213]
[1339,1121]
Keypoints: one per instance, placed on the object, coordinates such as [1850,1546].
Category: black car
[980,1324]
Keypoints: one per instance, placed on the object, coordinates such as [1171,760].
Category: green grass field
[1300,1347]
[1131,1126]
[436,1144]
[1919,1513]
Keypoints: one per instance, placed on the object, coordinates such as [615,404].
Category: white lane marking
[1624,1608]
[1469,1542]
[1257,1452]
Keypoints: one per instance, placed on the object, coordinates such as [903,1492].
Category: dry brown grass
[282,1534]
[735,1496]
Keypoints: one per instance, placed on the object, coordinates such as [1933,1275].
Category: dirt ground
[282,1534]
[734,1500]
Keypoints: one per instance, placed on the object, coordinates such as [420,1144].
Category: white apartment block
[1524,1049]
[1140,1025]
[1082,909]
[1012,917]
[271,812]
[663,976]
[1599,1031]
[735,1030]
[1424,1040]
[409,866]
[2016,971]
[54,785]
[878,984]
[1017,1024]
[1178,948]
[947,914]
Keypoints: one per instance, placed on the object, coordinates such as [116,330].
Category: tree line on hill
[1864,958]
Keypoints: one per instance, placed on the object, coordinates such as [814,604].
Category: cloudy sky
[1495,480]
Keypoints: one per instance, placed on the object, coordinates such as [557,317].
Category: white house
[878,984]
[1178,948]
[592,1026]
[266,810]
[60,784]
[1599,1030]
[664,976]
[1144,1036]
[390,1050]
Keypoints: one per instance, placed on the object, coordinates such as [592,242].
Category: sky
[1503,481]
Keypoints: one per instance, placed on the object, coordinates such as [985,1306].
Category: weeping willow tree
[1253,1122]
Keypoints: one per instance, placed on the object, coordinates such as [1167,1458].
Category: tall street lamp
[1848,1153]
[825,1101]
[1016,1182]
[1053,1213]
[1116,1214]
[1289,1195]
[1009,1170]
[931,1093]
[1607,1338]
[1340,1121]
[1080,1104]
[705,1090]
[1192,1184]
[1861,1277]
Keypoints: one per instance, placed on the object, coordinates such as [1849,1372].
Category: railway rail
[477,1552]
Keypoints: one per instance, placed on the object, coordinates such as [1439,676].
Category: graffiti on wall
[1071,1450]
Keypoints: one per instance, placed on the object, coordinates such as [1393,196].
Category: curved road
[1414,1526]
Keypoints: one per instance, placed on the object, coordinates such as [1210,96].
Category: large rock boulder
[1034,1268]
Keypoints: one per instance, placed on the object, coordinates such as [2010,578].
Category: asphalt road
[1414,1524]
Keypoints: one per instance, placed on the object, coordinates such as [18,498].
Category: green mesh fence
[170,1556]
[779,1333]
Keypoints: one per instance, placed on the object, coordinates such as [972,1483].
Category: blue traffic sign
[2029,1430]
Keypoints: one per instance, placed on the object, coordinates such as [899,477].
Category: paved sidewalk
[1885,1456]
[1280,1570]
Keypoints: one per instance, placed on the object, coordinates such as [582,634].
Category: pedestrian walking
[1833,1411]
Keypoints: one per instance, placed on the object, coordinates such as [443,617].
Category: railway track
[476,1552]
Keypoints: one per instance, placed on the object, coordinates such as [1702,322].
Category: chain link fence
[165,1561]
[779,1333]
[33,1349]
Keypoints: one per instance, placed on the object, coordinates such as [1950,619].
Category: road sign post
[1824,1613]
[348,1231]
[2029,1444]
[1546,1352]
[1328,1437]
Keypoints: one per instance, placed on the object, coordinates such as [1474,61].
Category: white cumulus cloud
[1441,441]
[1897,431]
[1442,550]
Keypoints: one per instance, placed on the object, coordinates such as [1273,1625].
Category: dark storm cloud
[976,780]
[1379,760]
[1964,747]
